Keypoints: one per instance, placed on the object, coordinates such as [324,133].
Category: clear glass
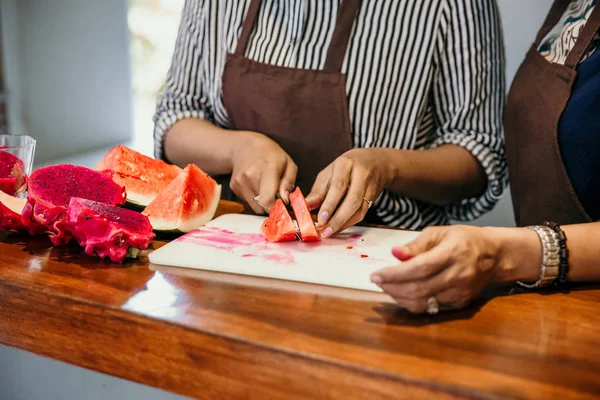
[12,170]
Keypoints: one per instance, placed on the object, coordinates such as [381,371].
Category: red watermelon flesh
[187,203]
[143,177]
[12,173]
[10,213]
[279,226]
[308,230]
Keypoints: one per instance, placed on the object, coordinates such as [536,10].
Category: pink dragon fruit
[12,173]
[51,188]
[108,231]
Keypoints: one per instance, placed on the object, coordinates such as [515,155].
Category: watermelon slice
[143,177]
[188,202]
[10,212]
[279,226]
[308,230]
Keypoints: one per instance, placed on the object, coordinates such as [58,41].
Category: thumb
[319,190]
[426,240]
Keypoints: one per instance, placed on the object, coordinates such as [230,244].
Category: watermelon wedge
[10,213]
[279,226]
[143,177]
[308,230]
[188,202]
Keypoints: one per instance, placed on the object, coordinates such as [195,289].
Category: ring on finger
[369,202]
[433,306]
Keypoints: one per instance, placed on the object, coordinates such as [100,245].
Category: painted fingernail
[328,232]
[376,279]
[323,216]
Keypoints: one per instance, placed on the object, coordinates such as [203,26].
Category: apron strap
[341,35]
[247,26]
[585,38]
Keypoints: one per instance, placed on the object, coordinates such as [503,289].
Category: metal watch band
[550,257]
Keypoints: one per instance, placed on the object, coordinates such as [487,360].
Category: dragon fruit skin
[10,215]
[51,188]
[12,173]
[106,230]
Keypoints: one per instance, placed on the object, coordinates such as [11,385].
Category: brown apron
[304,111]
[540,187]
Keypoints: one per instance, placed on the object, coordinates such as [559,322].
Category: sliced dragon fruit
[106,230]
[50,190]
[12,173]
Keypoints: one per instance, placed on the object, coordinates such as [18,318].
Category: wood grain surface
[212,336]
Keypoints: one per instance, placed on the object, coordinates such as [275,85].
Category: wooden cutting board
[232,243]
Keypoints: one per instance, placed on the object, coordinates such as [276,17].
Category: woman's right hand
[261,168]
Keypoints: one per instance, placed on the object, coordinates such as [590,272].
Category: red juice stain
[350,247]
[364,255]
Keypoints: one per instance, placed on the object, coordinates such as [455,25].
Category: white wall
[54,380]
[71,70]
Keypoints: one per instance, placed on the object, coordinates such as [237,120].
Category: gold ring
[369,202]
[433,306]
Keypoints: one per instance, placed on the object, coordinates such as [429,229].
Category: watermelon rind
[174,227]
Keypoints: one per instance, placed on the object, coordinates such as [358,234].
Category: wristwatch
[550,257]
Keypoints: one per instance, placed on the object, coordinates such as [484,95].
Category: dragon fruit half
[106,230]
[50,190]
[12,173]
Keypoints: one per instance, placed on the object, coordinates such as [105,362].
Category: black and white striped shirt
[420,73]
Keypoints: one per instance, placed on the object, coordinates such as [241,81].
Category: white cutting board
[232,243]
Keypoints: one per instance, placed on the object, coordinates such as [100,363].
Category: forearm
[520,253]
[200,142]
[440,176]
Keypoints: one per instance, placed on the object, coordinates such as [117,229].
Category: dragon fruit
[12,173]
[50,190]
[10,215]
[106,230]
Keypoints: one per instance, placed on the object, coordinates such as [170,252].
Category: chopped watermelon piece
[187,203]
[10,213]
[308,230]
[143,177]
[279,227]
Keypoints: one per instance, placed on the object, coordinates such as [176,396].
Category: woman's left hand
[353,179]
[454,264]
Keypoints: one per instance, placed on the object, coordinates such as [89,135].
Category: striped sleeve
[183,95]
[469,95]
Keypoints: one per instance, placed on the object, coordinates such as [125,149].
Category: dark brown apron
[304,111]
[540,187]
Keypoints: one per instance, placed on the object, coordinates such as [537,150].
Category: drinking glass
[11,170]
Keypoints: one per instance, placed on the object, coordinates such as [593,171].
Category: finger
[246,194]
[422,288]
[337,188]
[424,242]
[420,267]
[353,202]
[362,211]
[288,181]
[319,190]
[449,299]
[270,180]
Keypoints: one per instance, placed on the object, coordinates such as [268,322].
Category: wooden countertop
[211,336]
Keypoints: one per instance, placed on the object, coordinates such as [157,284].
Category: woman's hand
[456,263]
[353,178]
[261,168]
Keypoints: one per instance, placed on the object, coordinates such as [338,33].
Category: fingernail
[376,279]
[328,232]
[256,199]
[323,216]
[401,253]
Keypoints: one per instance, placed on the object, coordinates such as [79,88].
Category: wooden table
[212,336]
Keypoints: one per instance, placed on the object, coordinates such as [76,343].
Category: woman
[395,105]
[552,126]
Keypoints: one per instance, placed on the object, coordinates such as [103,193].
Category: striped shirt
[420,73]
